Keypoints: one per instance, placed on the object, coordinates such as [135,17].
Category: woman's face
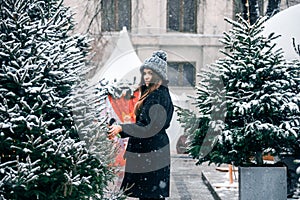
[147,75]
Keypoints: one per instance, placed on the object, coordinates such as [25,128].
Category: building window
[115,15]
[182,16]
[181,74]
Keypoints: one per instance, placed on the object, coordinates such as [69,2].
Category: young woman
[147,170]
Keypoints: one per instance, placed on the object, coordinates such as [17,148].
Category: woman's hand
[114,130]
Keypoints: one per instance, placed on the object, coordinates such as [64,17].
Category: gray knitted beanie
[158,63]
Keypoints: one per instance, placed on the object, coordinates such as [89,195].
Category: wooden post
[230,174]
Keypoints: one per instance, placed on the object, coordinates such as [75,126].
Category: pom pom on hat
[161,54]
[158,63]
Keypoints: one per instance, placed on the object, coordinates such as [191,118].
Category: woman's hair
[156,81]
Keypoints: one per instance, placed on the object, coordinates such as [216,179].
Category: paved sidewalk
[206,181]
[186,179]
[217,179]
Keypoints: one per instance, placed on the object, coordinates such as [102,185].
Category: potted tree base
[262,183]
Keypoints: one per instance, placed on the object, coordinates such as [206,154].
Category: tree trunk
[250,11]
[259,158]
[245,9]
[273,7]
[253,11]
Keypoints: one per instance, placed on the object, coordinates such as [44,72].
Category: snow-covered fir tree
[52,143]
[248,101]
[296,66]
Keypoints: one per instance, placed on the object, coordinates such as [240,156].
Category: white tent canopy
[285,24]
[122,65]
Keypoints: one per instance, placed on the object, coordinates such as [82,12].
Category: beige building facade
[150,28]
[149,32]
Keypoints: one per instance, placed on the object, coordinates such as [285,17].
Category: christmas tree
[296,66]
[52,142]
[248,101]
